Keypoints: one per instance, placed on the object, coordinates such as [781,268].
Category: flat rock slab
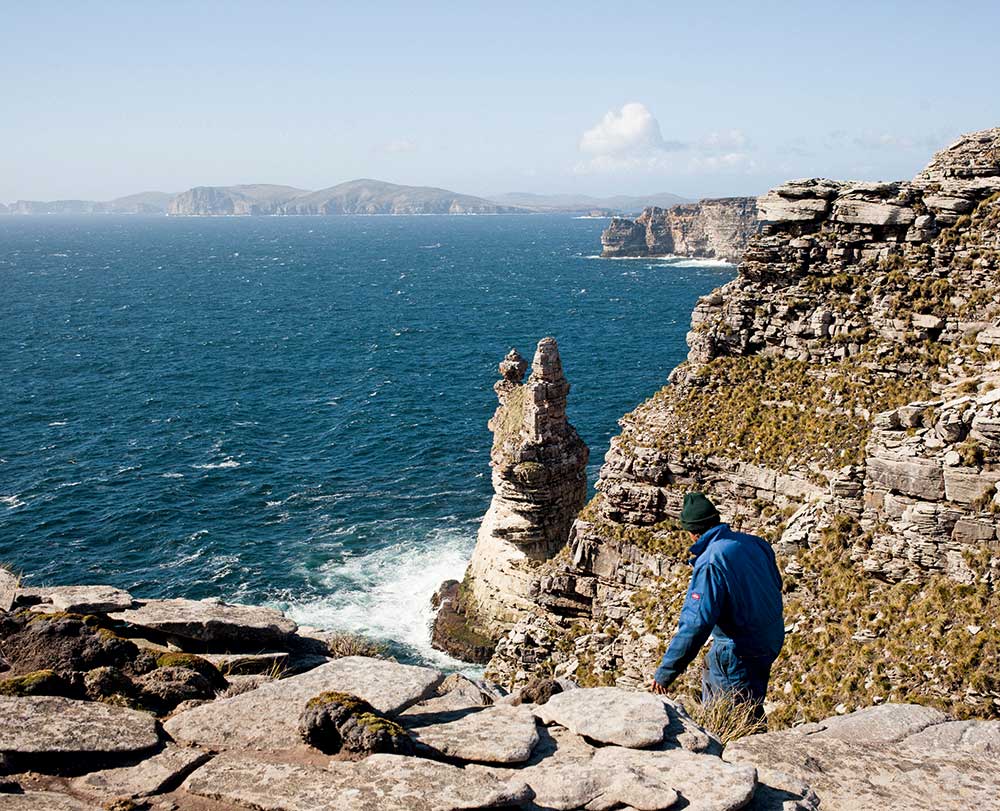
[48,725]
[848,776]
[383,782]
[211,621]
[958,736]
[267,718]
[79,599]
[492,735]
[152,776]
[43,801]
[645,780]
[882,724]
[621,717]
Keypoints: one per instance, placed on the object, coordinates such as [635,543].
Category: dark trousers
[742,677]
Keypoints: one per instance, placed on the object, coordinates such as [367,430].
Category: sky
[103,99]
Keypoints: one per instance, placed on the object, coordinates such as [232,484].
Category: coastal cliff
[713,229]
[539,467]
[841,397]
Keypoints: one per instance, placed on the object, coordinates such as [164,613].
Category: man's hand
[657,688]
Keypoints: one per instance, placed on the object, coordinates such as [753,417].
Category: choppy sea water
[292,411]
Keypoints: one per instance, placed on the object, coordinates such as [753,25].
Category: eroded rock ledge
[712,229]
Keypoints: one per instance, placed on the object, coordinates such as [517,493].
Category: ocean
[292,411]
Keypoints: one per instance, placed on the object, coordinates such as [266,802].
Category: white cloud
[630,132]
[630,140]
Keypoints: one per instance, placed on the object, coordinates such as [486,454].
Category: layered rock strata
[539,468]
[713,229]
[841,397]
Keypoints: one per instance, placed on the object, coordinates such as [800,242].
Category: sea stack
[539,468]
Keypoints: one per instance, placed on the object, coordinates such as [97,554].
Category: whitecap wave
[386,593]
[11,502]
[225,464]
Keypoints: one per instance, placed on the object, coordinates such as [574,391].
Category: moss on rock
[36,683]
[192,662]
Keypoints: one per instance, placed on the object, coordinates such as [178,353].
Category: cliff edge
[842,397]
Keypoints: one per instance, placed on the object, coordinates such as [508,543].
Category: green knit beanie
[698,514]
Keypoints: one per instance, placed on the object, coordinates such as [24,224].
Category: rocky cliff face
[714,229]
[539,468]
[842,397]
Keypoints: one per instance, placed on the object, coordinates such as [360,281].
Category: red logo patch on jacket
[695,595]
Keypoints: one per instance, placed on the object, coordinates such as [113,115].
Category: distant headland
[356,197]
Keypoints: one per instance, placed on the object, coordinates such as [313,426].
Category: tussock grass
[725,716]
[347,644]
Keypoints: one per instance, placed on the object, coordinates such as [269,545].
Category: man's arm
[702,606]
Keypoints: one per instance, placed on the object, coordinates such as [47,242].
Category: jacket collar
[706,538]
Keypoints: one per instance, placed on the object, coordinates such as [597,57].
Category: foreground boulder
[383,782]
[276,706]
[48,732]
[885,757]
[340,722]
[211,622]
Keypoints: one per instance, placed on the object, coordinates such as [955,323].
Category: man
[735,595]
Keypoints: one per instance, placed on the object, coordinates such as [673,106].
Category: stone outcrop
[713,229]
[539,481]
[840,398]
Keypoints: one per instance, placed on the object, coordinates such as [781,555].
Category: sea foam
[386,593]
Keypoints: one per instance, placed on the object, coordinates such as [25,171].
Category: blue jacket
[735,595]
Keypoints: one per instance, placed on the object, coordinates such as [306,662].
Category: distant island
[363,197]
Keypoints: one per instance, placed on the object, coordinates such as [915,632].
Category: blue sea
[292,411]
